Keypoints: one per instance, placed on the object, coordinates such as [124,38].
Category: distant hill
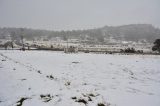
[132,32]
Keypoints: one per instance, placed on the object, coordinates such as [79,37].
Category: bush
[129,50]
[156,46]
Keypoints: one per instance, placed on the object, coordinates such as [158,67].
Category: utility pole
[67,43]
[22,41]
[23,48]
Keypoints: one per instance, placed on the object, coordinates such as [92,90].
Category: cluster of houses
[73,45]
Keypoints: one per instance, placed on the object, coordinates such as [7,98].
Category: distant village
[75,45]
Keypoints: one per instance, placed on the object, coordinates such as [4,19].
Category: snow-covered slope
[43,78]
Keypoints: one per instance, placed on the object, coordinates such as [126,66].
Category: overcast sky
[77,14]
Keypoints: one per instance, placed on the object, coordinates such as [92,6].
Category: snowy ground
[43,78]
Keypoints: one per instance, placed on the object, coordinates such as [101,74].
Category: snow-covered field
[46,78]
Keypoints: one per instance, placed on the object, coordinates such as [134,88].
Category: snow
[115,80]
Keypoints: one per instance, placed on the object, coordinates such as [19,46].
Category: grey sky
[77,14]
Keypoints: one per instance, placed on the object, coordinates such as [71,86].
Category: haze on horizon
[77,14]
